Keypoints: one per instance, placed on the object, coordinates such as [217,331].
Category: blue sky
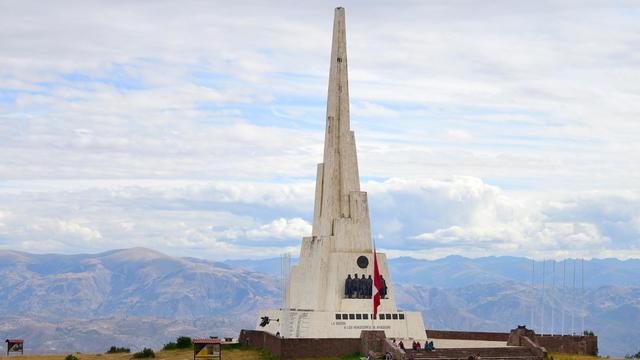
[194,128]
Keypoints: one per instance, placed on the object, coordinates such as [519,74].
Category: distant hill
[612,312]
[457,271]
[131,282]
[139,297]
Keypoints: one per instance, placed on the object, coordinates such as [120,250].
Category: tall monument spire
[337,182]
[321,289]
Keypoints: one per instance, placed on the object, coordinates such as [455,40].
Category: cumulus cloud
[138,123]
[166,95]
[458,134]
[467,216]
[281,228]
[366,109]
[425,218]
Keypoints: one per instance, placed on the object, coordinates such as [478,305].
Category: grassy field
[232,353]
[228,353]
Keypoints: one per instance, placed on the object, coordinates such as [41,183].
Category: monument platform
[323,324]
[377,342]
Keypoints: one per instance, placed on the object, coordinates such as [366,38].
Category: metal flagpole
[583,301]
[573,298]
[533,291]
[564,290]
[285,274]
[553,291]
[544,262]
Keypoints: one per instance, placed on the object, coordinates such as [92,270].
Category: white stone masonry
[341,234]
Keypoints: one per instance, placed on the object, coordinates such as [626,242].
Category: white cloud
[458,134]
[427,218]
[368,109]
[106,110]
[468,217]
[282,228]
[85,233]
[166,95]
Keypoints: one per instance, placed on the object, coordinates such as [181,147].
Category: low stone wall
[260,339]
[538,350]
[467,335]
[569,344]
[375,341]
[372,340]
[555,343]
[302,348]
[298,348]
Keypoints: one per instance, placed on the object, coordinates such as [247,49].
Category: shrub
[354,356]
[266,355]
[115,350]
[170,346]
[70,357]
[183,342]
[145,353]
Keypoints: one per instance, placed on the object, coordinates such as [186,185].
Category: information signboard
[15,346]
[207,349]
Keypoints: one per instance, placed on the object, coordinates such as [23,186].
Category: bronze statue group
[360,287]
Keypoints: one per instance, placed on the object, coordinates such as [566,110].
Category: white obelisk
[340,243]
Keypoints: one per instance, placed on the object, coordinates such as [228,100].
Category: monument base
[296,323]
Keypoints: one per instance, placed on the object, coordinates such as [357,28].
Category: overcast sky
[194,127]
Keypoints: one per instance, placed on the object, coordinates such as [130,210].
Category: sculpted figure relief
[383,291]
[361,287]
[357,289]
[348,286]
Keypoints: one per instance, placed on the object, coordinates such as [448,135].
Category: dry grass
[560,356]
[227,354]
[230,353]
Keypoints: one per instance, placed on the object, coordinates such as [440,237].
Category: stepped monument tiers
[329,292]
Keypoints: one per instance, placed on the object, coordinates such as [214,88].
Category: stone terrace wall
[302,348]
[260,339]
[298,348]
[569,344]
[467,335]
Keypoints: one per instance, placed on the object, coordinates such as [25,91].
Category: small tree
[145,353]
[71,357]
[115,350]
[183,342]
[170,346]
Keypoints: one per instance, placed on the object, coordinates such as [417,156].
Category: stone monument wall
[299,348]
[569,344]
[467,335]
[552,343]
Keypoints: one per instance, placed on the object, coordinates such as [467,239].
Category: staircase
[500,353]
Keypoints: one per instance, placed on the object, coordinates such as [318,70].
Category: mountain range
[139,297]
